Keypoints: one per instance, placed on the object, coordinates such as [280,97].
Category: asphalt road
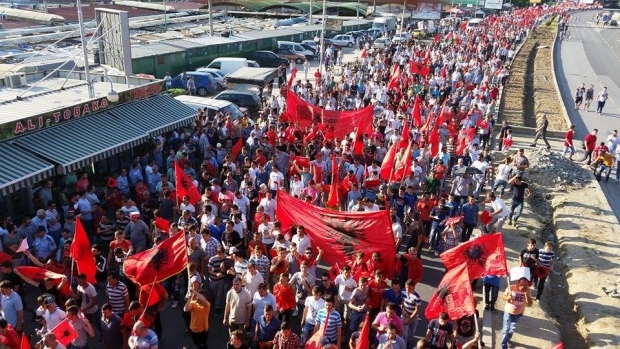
[592,56]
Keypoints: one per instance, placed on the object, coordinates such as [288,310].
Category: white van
[212,105]
[474,22]
[228,65]
[296,48]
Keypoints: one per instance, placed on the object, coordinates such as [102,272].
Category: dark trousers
[468,229]
[200,339]
[588,156]
[541,287]
[542,134]
[484,140]
[285,315]
[492,291]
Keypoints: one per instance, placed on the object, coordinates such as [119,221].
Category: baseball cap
[219,145]
[50,300]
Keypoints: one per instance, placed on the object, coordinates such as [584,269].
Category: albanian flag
[35,276]
[64,333]
[334,271]
[453,296]
[81,253]
[340,234]
[334,190]
[482,256]
[158,263]
[184,185]
[151,304]
[387,167]
[236,149]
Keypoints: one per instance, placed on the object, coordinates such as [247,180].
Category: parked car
[419,34]
[310,48]
[374,33]
[218,76]
[290,55]
[381,43]
[269,59]
[205,84]
[355,33]
[334,44]
[213,106]
[401,37]
[344,40]
[296,48]
[253,64]
[246,99]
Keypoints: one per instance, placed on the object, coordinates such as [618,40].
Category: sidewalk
[536,330]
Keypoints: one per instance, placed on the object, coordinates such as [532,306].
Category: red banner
[343,122]
[340,234]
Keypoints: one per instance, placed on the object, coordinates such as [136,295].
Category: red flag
[340,234]
[334,190]
[485,217]
[4,257]
[64,332]
[405,135]
[434,141]
[158,263]
[394,78]
[437,38]
[358,146]
[417,115]
[184,185]
[363,342]
[112,183]
[25,344]
[36,275]
[334,271]
[372,183]
[294,72]
[429,121]
[162,224]
[453,296]
[453,220]
[404,165]
[387,166]
[365,53]
[81,253]
[482,256]
[236,149]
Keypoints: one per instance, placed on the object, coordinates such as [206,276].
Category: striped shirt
[545,257]
[333,323]
[262,265]
[116,297]
[411,301]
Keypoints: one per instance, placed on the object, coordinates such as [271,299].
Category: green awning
[77,144]
[155,115]
[19,169]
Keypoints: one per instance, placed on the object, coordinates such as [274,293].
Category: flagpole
[148,299]
[477,330]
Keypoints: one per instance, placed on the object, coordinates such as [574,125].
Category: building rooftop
[47,95]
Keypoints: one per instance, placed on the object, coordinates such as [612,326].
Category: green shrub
[176,92]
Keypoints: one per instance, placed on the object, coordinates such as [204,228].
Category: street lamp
[112,96]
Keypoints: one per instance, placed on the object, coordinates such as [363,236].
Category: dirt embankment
[530,91]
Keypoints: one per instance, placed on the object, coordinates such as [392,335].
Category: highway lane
[592,56]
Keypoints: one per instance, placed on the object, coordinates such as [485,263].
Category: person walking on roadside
[601,98]
[589,98]
[589,143]
[581,90]
[503,132]
[568,142]
[517,297]
[520,192]
[541,131]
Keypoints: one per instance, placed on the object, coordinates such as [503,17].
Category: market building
[50,127]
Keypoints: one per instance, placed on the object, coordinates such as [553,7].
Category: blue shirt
[410,199]
[469,213]
[123,184]
[267,331]
[146,342]
[11,305]
[399,342]
[217,231]
[491,280]
[44,246]
[397,298]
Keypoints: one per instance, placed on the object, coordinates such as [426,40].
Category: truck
[385,24]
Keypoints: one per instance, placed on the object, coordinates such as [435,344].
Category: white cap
[219,145]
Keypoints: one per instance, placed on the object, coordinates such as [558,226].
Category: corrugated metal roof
[93,138]
[213,40]
[155,49]
[47,97]
[155,115]
[272,33]
[184,44]
[31,169]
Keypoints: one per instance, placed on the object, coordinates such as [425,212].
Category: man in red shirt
[589,143]
[568,142]
[8,335]
[376,286]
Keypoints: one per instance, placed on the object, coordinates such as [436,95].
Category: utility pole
[210,19]
[322,42]
[91,90]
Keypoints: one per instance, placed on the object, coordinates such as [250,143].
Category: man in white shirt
[276,179]
[398,231]
[501,177]
[499,214]
[297,185]
[269,205]
[346,284]
[479,179]
[242,202]
[301,240]
[370,206]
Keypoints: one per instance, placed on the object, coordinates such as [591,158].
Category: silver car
[218,77]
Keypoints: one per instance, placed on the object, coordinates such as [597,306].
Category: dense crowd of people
[264,281]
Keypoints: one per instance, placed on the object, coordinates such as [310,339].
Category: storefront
[94,135]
